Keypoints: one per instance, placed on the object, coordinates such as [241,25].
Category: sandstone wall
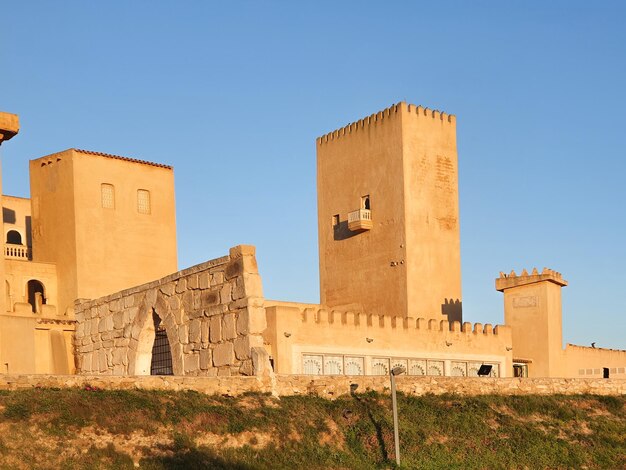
[212,313]
[326,387]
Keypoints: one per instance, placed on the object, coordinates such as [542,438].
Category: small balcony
[20,252]
[360,220]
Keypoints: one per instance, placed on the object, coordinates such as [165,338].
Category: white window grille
[435,368]
[312,365]
[108,195]
[380,366]
[354,366]
[333,365]
[143,201]
[417,367]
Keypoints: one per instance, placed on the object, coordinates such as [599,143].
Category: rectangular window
[143,201]
[335,220]
[108,195]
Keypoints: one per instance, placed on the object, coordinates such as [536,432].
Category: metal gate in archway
[161,354]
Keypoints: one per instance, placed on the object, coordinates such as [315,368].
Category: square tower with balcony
[388,215]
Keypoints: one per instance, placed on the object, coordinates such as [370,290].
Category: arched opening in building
[36,295]
[14,237]
[161,363]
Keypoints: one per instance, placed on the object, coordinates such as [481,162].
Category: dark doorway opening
[14,237]
[161,353]
[36,295]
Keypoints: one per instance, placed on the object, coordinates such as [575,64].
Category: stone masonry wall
[213,315]
[326,387]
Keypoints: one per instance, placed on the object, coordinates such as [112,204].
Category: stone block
[174,302]
[187,301]
[204,280]
[115,305]
[215,310]
[103,310]
[253,284]
[135,331]
[183,334]
[128,331]
[217,279]
[246,368]
[192,281]
[234,269]
[181,286]
[118,320]
[150,298]
[102,361]
[209,298]
[197,299]
[216,329]
[129,301]
[102,325]
[242,348]
[226,293]
[109,322]
[118,356]
[132,313]
[239,291]
[119,369]
[241,250]
[168,289]
[204,331]
[107,335]
[251,320]
[194,331]
[80,330]
[87,327]
[223,355]
[223,371]
[228,326]
[205,359]
[161,305]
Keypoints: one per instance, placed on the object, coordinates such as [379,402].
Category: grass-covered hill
[86,428]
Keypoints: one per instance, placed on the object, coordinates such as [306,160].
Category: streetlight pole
[396,437]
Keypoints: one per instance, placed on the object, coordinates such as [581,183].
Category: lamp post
[395,371]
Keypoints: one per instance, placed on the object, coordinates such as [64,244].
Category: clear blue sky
[233,94]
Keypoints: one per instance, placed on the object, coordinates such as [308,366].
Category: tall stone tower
[388,215]
[107,222]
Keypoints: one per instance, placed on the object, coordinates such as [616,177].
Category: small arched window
[36,295]
[14,237]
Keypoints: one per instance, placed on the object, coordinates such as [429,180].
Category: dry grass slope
[76,428]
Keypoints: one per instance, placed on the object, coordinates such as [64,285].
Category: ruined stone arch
[144,333]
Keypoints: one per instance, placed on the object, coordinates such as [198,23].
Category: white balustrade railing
[16,252]
[361,214]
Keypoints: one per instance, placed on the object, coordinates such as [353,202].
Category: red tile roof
[134,160]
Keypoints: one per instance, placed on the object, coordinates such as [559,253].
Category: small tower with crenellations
[532,308]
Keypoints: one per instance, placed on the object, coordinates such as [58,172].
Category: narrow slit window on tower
[108,195]
[143,201]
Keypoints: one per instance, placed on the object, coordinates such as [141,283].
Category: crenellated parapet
[507,281]
[322,316]
[377,118]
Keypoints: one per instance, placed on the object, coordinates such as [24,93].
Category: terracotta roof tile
[134,160]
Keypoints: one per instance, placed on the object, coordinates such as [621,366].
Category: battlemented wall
[212,313]
[369,344]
